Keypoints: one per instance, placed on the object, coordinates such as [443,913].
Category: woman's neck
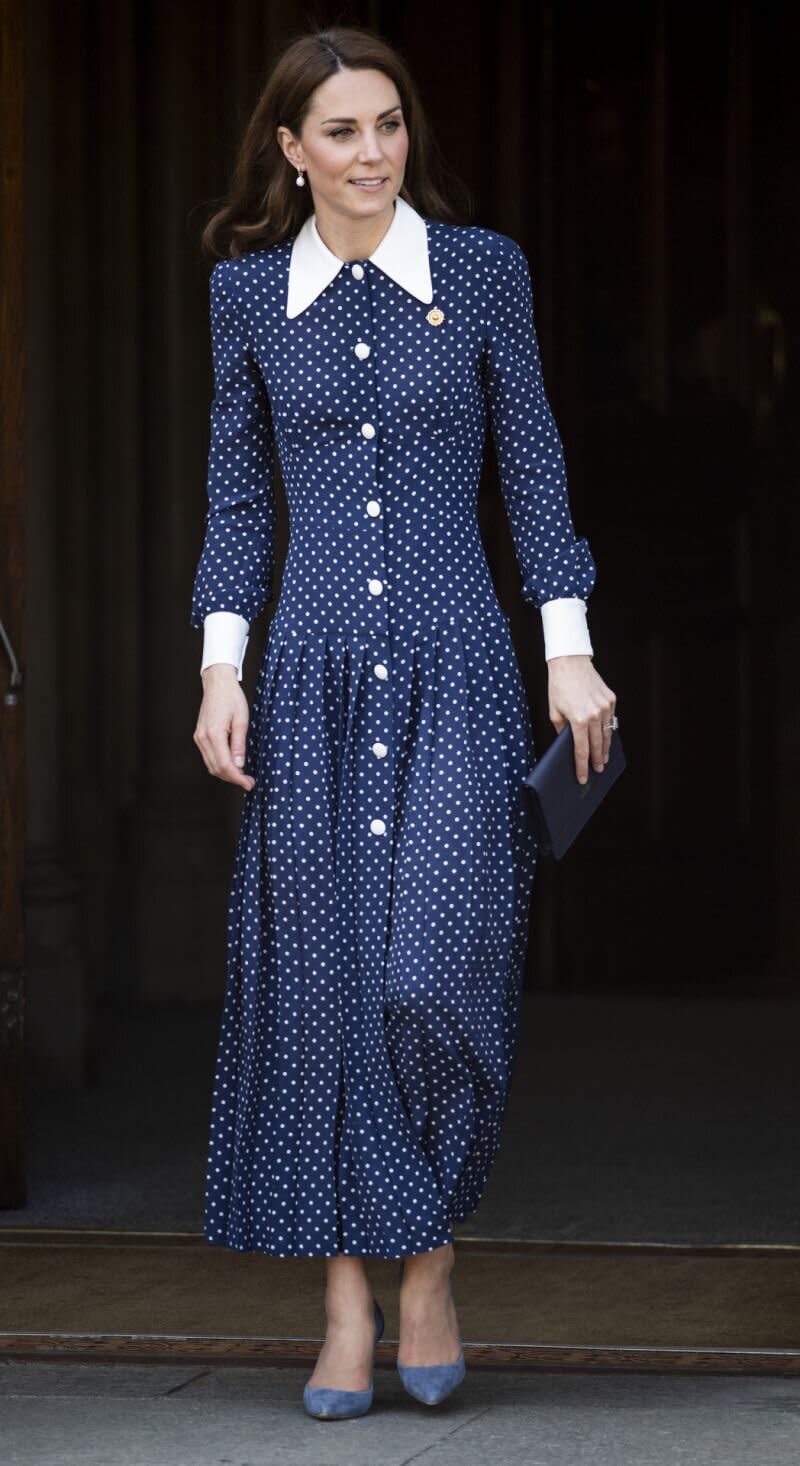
[353,239]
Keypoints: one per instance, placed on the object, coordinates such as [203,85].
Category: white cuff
[225,638]
[566,633]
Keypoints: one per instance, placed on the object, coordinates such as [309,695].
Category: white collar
[401,254]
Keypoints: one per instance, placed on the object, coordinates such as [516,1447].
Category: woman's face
[355,130]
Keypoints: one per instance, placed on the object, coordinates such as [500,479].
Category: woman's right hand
[221,732]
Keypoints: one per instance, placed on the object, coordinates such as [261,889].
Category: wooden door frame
[12,598]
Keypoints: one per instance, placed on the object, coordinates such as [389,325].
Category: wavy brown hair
[263,205]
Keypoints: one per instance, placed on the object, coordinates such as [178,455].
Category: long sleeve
[558,572]
[235,570]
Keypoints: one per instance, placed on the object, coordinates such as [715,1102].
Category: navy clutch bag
[558,805]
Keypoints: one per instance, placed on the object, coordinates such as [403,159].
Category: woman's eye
[392,124]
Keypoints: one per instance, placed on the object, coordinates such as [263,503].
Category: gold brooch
[435,316]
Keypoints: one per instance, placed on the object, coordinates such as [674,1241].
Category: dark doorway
[645,158]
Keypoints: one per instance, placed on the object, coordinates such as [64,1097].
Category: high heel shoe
[327,1404]
[431,1383]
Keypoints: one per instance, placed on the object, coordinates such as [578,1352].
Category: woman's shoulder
[471,245]
[237,272]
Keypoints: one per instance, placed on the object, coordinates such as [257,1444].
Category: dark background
[645,156]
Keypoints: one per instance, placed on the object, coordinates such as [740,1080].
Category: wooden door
[12,581]
[661,212]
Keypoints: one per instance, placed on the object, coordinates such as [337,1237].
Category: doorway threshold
[73,1293]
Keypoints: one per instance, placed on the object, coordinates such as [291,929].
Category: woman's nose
[370,148]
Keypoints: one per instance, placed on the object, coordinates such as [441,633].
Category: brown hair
[263,205]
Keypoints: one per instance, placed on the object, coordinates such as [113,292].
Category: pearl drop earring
[300,180]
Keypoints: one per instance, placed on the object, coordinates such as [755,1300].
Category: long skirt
[378,917]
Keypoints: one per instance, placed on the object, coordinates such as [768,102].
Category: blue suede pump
[325,1404]
[431,1383]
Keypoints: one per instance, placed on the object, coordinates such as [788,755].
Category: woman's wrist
[219,671]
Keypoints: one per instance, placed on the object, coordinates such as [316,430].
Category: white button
[373,508]
[357,270]
[380,750]
[375,587]
[361,350]
[368,430]
[377,827]
[381,671]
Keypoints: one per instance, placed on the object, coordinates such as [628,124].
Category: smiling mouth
[367,182]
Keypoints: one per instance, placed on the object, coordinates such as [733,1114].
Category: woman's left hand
[578,695]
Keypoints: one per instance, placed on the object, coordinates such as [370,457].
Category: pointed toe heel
[432,1383]
[326,1404]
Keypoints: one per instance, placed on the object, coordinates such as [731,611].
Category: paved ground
[53,1414]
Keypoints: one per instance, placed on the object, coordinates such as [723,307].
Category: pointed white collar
[402,254]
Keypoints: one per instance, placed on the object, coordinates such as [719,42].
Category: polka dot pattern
[384,862]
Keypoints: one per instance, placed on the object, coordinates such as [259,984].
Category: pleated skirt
[371,1008]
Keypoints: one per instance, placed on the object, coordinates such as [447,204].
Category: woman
[384,863]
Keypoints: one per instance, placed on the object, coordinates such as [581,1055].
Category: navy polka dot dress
[384,863]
